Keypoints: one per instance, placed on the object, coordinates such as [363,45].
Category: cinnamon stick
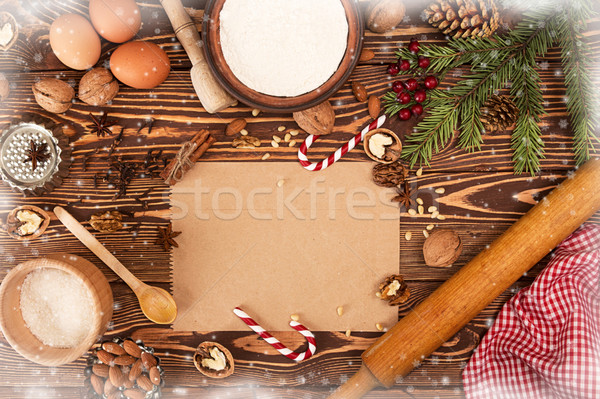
[202,140]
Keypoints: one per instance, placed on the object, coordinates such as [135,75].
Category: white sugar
[57,307]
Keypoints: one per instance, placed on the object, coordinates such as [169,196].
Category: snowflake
[406,19]
[563,124]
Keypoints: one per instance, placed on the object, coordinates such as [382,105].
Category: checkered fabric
[545,343]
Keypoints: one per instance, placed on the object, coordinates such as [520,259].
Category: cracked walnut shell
[213,360]
[442,248]
[394,290]
[107,222]
[53,95]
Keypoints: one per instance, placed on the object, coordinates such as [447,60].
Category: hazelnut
[4,87]
[53,95]
[384,15]
[442,248]
[98,86]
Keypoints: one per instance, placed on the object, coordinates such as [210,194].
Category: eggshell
[74,41]
[115,20]
[142,65]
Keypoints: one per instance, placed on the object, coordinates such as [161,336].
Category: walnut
[53,95]
[442,248]
[246,142]
[213,360]
[98,86]
[394,290]
[384,15]
[389,175]
[26,222]
[4,87]
[9,31]
[107,222]
[318,120]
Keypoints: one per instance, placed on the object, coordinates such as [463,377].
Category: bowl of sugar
[282,55]
[53,309]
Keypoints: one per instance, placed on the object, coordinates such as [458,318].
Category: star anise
[403,196]
[166,237]
[100,126]
[36,153]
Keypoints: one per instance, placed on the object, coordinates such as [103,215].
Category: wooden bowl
[392,152]
[16,332]
[216,61]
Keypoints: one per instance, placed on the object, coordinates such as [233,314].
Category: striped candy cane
[275,343]
[340,152]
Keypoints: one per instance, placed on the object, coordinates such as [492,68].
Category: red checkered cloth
[545,343]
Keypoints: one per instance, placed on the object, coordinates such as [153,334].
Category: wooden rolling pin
[478,283]
[212,96]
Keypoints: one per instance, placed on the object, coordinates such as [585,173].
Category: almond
[134,394]
[105,357]
[366,55]
[109,387]
[235,126]
[155,376]
[135,370]
[101,370]
[53,95]
[113,348]
[144,383]
[360,91]
[132,348]
[116,376]
[127,384]
[374,106]
[97,384]
[148,360]
[124,360]
[115,395]
[318,120]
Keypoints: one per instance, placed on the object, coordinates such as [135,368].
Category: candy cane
[275,343]
[340,152]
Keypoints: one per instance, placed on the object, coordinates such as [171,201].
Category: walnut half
[213,360]
[394,290]
[107,222]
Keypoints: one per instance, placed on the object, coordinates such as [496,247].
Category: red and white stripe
[275,343]
[340,152]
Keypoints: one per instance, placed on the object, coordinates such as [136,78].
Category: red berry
[420,96]
[403,98]
[417,109]
[397,86]
[413,47]
[393,69]
[411,84]
[431,82]
[404,114]
[424,62]
[404,65]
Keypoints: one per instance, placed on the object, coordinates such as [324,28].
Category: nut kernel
[340,310]
[408,236]
[440,190]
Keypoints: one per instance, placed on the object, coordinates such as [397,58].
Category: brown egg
[74,41]
[142,65]
[115,20]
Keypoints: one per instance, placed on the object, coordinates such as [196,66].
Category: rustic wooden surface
[483,198]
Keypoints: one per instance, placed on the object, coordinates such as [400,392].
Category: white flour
[283,47]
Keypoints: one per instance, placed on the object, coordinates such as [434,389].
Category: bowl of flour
[282,55]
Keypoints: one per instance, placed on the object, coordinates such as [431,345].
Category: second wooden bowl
[13,326]
[216,60]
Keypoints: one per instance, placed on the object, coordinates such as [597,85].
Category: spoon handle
[96,247]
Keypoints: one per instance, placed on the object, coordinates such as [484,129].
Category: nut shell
[384,15]
[8,19]
[318,120]
[203,351]
[98,86]
[392,152]
[442,248]
[53,95]
[12,221]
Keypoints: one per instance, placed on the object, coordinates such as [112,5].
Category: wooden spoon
[157,304]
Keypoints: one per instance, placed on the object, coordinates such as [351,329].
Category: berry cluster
[412,89]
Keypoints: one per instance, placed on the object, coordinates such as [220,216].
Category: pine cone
[498,113]
[464,18]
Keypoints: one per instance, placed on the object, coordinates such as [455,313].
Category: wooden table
[483,198]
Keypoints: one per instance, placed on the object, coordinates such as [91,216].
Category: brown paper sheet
[321,240]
